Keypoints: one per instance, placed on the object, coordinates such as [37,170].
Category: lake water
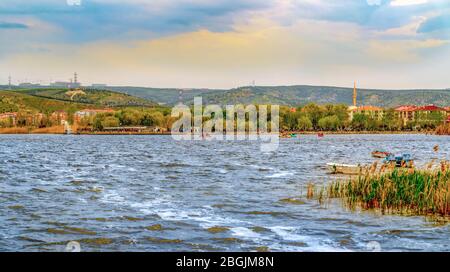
[150,193]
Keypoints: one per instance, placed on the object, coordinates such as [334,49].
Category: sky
[391,44]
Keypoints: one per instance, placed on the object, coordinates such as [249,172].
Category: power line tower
[75,78]
[9,82]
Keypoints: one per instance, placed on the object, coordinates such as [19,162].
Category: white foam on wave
[286,233]
[204,217]
[245,233]
[311,244]
[113,197]
[280,174]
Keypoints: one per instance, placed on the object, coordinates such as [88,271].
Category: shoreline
[25,131]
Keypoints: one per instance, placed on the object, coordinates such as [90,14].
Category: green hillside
[50,100]
[168,96]
[294,95]
[21,102]
[102,98]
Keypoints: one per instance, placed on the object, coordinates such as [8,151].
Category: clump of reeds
[417,192]
[49,130]
[443,130]
[14,130]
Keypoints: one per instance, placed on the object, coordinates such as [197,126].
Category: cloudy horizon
[391,44]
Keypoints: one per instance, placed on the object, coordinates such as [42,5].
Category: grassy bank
[28,130]
[414,192]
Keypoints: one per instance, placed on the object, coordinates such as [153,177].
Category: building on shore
[371,111]
[9,117]
[406,113]
[126,129]
[410,113]
[355,96]
[59,116]
[86,113]
[73,83]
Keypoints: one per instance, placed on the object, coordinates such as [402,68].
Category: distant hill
[20,102]
[50,100]
[293,95]
[168,96]
[105,98]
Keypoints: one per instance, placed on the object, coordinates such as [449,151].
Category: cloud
[308,51]
[202,43]
[7,25]
[408,2]
[112,19]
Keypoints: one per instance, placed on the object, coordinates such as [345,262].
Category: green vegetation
[21,102]
[101,98]
[292,96]
[148,117]
[335,117]
[157,227]
[36,109]
[217,229]
[416,192]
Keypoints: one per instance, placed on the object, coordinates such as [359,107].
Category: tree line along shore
[310,118]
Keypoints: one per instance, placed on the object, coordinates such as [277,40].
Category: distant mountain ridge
[283,95]
[292,95]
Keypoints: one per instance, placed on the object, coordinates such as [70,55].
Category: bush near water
[415,192]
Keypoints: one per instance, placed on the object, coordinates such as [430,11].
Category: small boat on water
[402,160]
[320,135]
[346,169]
[380,154]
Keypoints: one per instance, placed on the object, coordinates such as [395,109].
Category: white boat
[347,169]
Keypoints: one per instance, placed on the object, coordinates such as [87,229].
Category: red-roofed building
[406,113]
[409,113]
[430,108]
[447,109]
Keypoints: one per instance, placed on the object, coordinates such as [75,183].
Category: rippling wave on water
[149,193]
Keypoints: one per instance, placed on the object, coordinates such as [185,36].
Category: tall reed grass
[414,192]
[443,130]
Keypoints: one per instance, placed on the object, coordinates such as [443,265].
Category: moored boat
[402,160]
[380,154]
